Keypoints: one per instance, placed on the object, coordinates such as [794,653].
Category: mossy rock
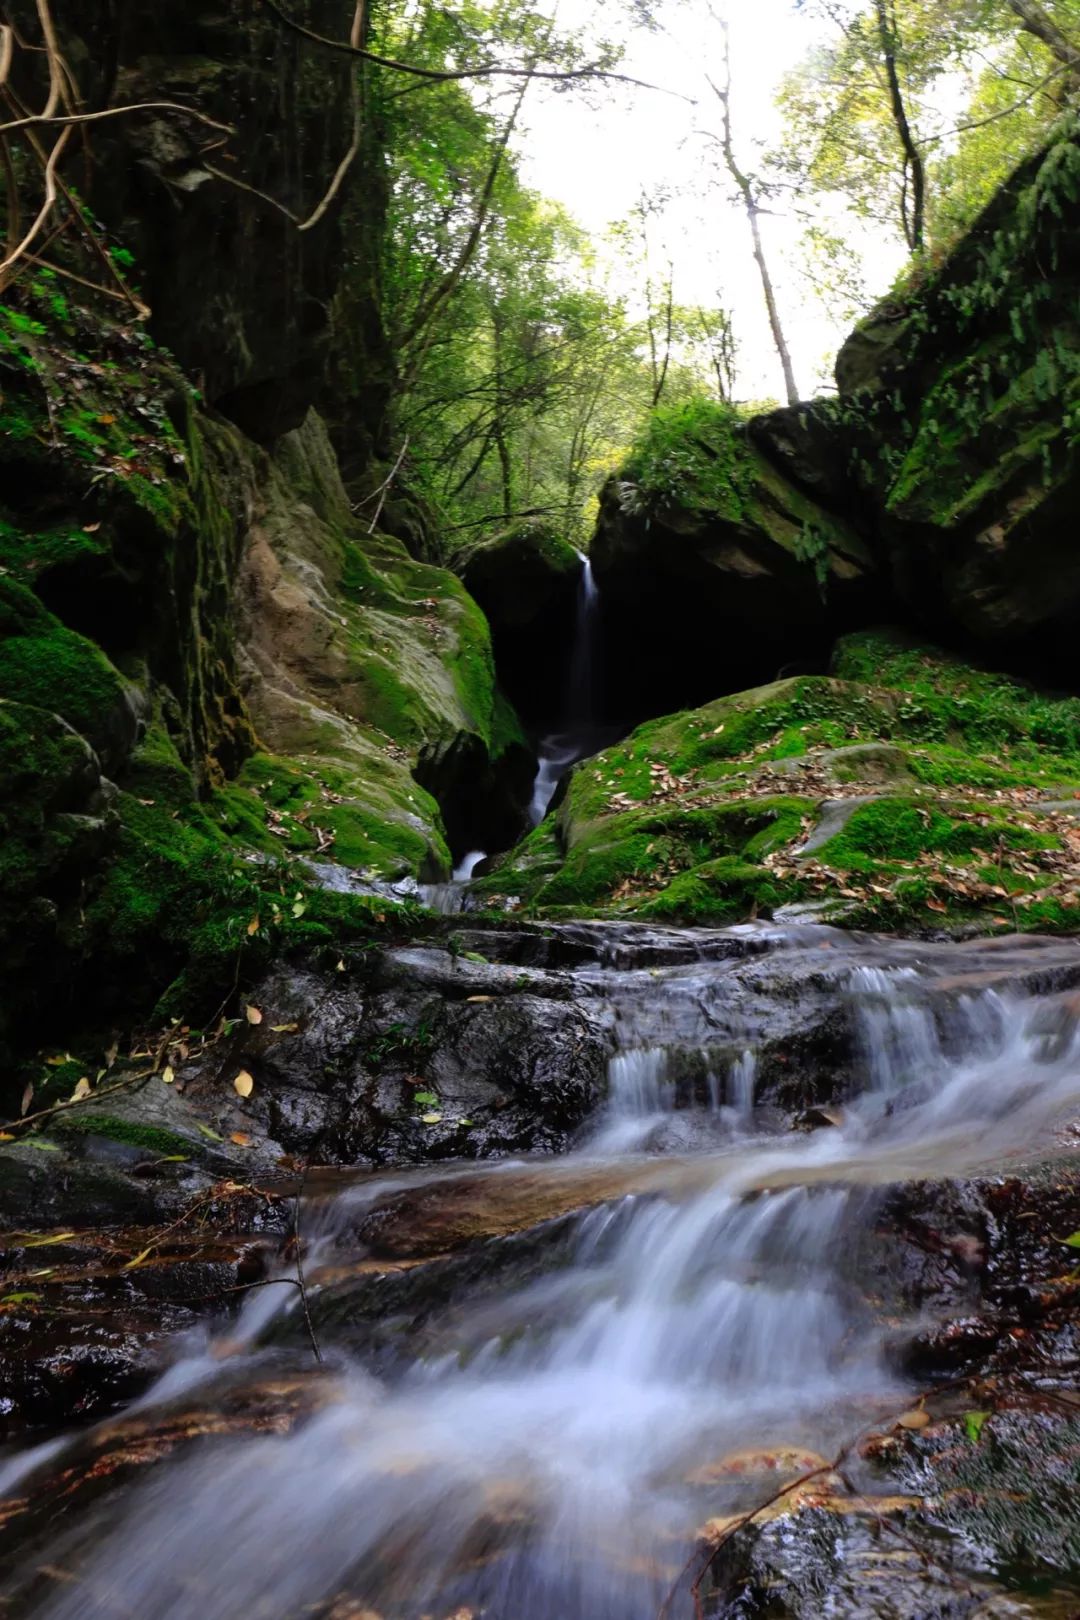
[960,397]
[47,666]
[951,773]
[521,575]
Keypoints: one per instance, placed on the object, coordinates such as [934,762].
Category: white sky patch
[594,153]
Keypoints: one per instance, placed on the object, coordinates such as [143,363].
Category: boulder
[716,569]
[527,581]
[958,401]
[904,791]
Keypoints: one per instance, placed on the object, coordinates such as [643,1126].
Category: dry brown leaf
[243,1085]
[241,1138]
[167,1074]
[253,1015]
[27,1099]
[915,1419]
[253,926]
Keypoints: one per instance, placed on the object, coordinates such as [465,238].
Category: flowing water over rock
[641,1339]
[581,733]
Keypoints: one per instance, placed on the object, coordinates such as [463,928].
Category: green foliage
[693,455]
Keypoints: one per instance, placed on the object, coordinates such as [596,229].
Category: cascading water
[551,1453]
[577,737]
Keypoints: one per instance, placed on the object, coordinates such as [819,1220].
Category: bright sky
[596,158]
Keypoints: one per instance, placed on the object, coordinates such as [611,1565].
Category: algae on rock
[946,796]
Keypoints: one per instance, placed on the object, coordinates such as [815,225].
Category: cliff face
[243,297]
[206,654]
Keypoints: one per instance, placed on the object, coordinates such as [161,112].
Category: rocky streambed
[585,1269]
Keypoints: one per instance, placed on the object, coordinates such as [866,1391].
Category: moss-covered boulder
[905,790]
[369,674]
[960,404]
[521,575]
[712,559]
[527,581]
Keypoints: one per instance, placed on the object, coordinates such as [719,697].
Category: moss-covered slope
[210,674]
[906,789]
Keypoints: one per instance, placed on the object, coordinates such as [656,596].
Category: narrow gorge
[540,1069]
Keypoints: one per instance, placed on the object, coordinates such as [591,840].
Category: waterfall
[554,1448]
[577,736]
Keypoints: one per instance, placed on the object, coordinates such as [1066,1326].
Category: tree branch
[485,70]
[1035,21]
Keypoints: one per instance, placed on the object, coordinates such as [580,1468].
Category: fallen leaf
[24,1297]
[206,1131]
[253,1015]
[167,1074]
[47,1241]
[253,926]
[41,1145]
[341,967]
[479,998]
[241,1138]
[81,1090]
[27,1099]
[107,419]
[243,1085]
[935,905]
[974,1423]
[915,1419]
[91,528]
[430,1119]
[298,908]
[284,1029]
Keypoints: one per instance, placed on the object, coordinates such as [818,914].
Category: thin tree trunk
[915,220]
[1035,21]
[750,204]
[425,314]
[660,377]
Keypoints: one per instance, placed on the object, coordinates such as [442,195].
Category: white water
[544,1461]
[577,738]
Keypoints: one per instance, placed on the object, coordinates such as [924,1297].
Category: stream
[704,1305]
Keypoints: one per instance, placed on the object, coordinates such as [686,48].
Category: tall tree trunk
[660,373]
[746,189]
[1036,21]
[914,168]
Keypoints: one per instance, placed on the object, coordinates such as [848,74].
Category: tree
[866,123]
[745,185]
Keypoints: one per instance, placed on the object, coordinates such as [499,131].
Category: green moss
[719,891]
[130,1132]
[946,700]
[50,667]
[26,555]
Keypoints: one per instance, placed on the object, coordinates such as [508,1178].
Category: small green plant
[812,547]
[694,454]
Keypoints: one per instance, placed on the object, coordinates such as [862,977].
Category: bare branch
[485,70]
